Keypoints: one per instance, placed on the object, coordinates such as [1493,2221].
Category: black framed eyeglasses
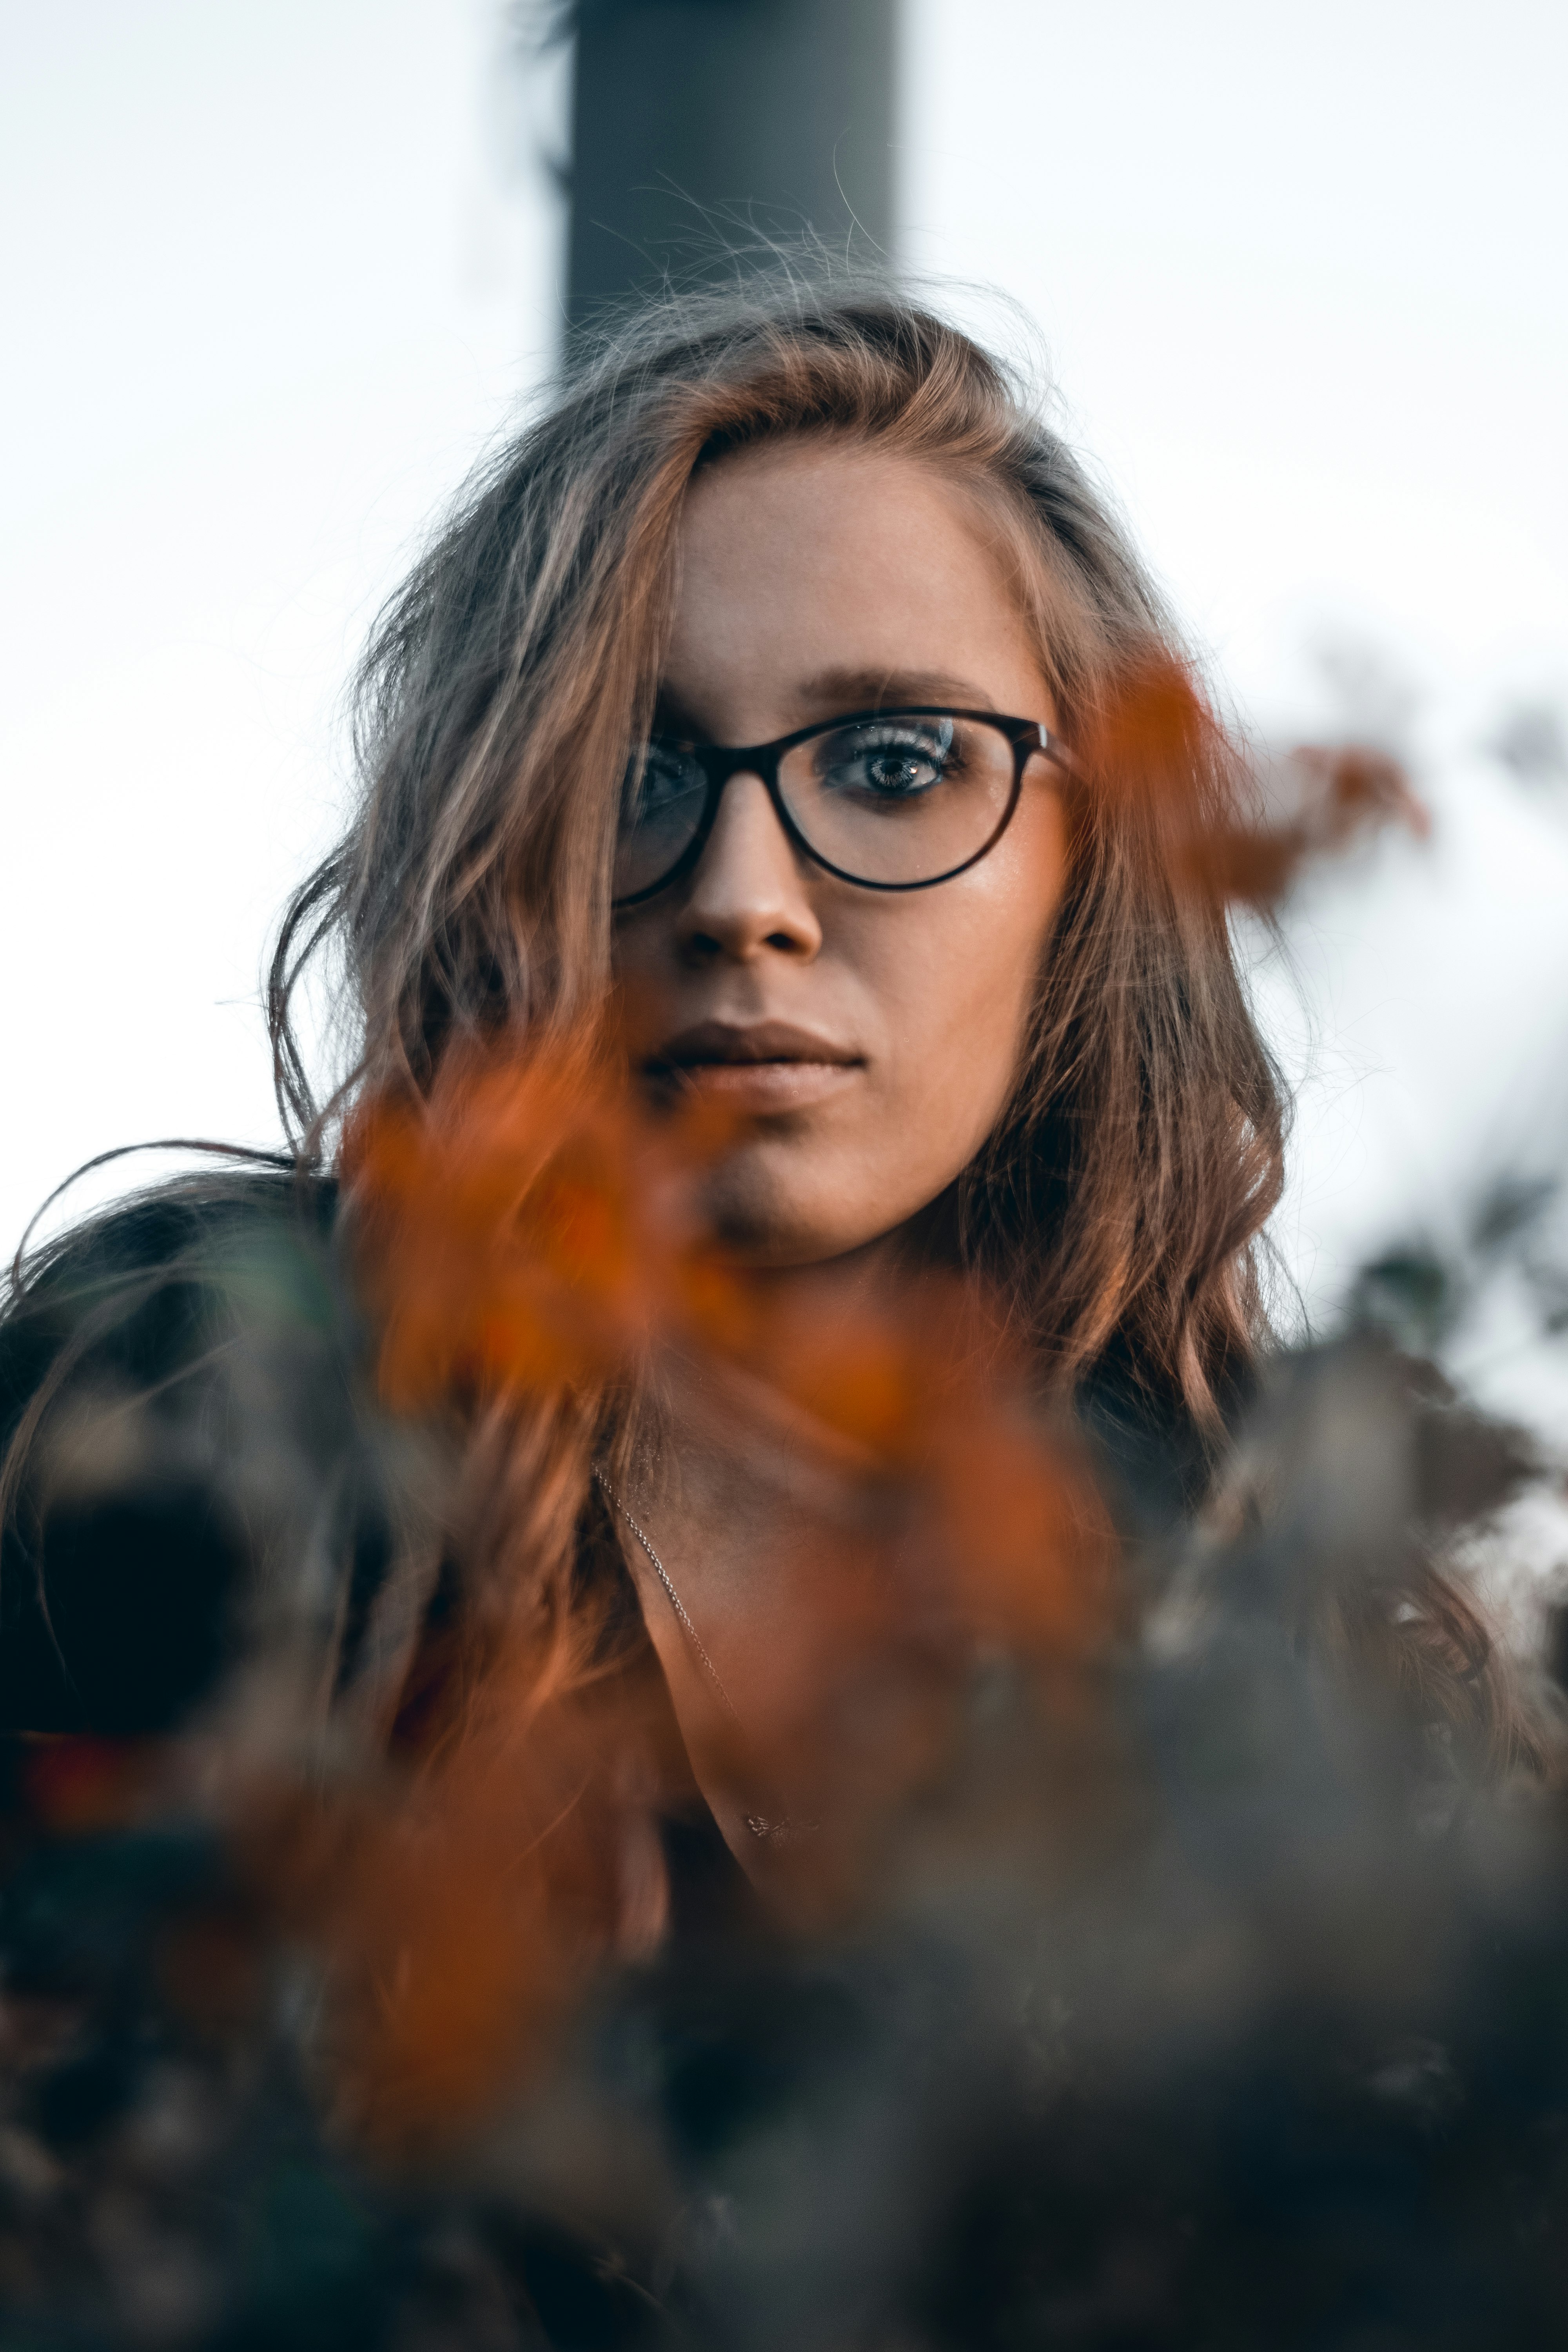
[889,800]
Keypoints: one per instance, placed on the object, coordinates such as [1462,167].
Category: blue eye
[898,761]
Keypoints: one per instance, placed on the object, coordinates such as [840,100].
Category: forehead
[828,500]
[806,556]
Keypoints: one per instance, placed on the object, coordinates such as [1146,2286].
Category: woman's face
[866,1042]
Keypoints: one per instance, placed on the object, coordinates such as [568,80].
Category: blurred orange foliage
[524,1226]
[1156,746]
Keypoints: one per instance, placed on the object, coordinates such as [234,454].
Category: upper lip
[760,1040]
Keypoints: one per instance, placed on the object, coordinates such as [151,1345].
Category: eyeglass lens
[897,800]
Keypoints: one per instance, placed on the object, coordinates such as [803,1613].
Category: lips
[762,1065]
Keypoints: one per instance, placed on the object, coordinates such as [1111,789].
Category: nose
[748,895]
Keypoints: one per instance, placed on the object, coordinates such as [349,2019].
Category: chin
[776,1243]
[760,1223]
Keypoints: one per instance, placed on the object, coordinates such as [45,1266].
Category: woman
[783,713]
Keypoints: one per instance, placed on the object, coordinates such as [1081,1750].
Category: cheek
[964,1013]
[958,1007]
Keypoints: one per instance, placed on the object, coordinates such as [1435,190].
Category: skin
[816,578]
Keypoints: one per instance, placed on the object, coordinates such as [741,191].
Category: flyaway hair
[1119,1204]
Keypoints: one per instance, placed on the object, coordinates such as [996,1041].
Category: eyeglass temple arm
[1038,736]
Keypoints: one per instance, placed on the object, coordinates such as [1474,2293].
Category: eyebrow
[831,693]
[833,690]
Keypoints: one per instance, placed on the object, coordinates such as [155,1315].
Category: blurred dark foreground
[1206,1994]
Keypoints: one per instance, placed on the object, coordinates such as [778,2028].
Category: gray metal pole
[695,121]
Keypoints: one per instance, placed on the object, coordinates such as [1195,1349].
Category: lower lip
[767,1085]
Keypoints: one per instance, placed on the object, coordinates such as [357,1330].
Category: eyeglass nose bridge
[722,763]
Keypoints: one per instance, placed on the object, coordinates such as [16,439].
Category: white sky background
[273,275]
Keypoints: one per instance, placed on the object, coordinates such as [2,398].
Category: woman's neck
[767,1525]
[867,1281]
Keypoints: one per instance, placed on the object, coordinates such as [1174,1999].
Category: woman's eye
[888,763]
[668,775]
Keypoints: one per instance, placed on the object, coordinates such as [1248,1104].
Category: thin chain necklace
[676,1601]
[758,1823]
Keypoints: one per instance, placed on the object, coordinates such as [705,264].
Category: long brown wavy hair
[1120,1202]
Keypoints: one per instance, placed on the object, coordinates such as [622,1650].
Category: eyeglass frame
[1030,738]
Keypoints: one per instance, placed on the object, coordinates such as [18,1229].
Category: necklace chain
[676,1603]
[758,1823]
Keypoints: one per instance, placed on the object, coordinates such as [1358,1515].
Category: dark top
[188,1375]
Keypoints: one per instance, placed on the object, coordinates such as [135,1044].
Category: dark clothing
[181,1375]
[1209,2048]
[188,1372]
